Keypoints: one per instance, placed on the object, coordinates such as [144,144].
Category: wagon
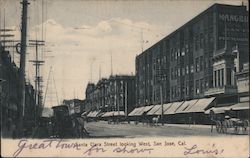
[228,120]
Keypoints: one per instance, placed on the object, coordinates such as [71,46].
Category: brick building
[185,60]
[117,93]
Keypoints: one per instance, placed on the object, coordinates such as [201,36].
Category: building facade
[10,96]
[117,93]
[75,106]
[183,63]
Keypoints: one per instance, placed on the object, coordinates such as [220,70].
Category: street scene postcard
[124,78]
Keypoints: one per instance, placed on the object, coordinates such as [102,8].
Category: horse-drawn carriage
[65,125]
[231,124]
[227,120]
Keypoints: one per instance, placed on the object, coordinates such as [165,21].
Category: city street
[103,129]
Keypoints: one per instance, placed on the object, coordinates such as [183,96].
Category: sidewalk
[132,123]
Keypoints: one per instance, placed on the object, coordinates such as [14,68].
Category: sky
[81,33]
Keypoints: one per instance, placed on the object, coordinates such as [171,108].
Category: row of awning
[235,107]
[113,113]
[191,106]
[94,114]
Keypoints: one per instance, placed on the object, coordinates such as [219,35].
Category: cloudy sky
[81,33]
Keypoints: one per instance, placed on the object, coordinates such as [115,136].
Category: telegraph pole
[22,63]
[38,79]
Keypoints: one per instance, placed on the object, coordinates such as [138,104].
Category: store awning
[173,108]
[185,106]
[108,114]
[217,110]
[144,109]
[90,113]
[240,106]
[201,105]
[165,108]
[132,113]
[93,113]
[153,110]
[140,111]
[119,113]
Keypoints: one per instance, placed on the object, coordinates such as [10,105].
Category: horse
[155,120]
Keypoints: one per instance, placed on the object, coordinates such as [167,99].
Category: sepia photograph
[124,78]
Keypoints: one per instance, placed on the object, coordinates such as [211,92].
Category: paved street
[103,129]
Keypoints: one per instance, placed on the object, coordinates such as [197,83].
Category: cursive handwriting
[195,150]
[94,149]
[48,143]
[132,150]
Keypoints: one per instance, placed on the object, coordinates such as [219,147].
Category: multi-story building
[187,57]
[117,93]
[10,95]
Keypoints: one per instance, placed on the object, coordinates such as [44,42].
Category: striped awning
[185,106]
[84,113]
[132,113]
[165,108]
[140,111]
[108,114]
[153,110]
[144,109]
[173,108]
[94,114]
[201,105]
[119,113]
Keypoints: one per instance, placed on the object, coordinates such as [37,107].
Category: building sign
[232,27]
[233,18]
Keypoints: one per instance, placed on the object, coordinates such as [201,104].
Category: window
[197,86]
[183,52]
[222,77]
[219,78]
[187,50]
[229,76]
[197,65]
[201,40]
[187,69]
[183,71]
[172,73]
[201,85]
[215,79]
[191,69]
[179,72]
[201,63]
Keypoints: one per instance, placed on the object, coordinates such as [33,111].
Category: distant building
[75,106]
[193,61]
[117,93]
